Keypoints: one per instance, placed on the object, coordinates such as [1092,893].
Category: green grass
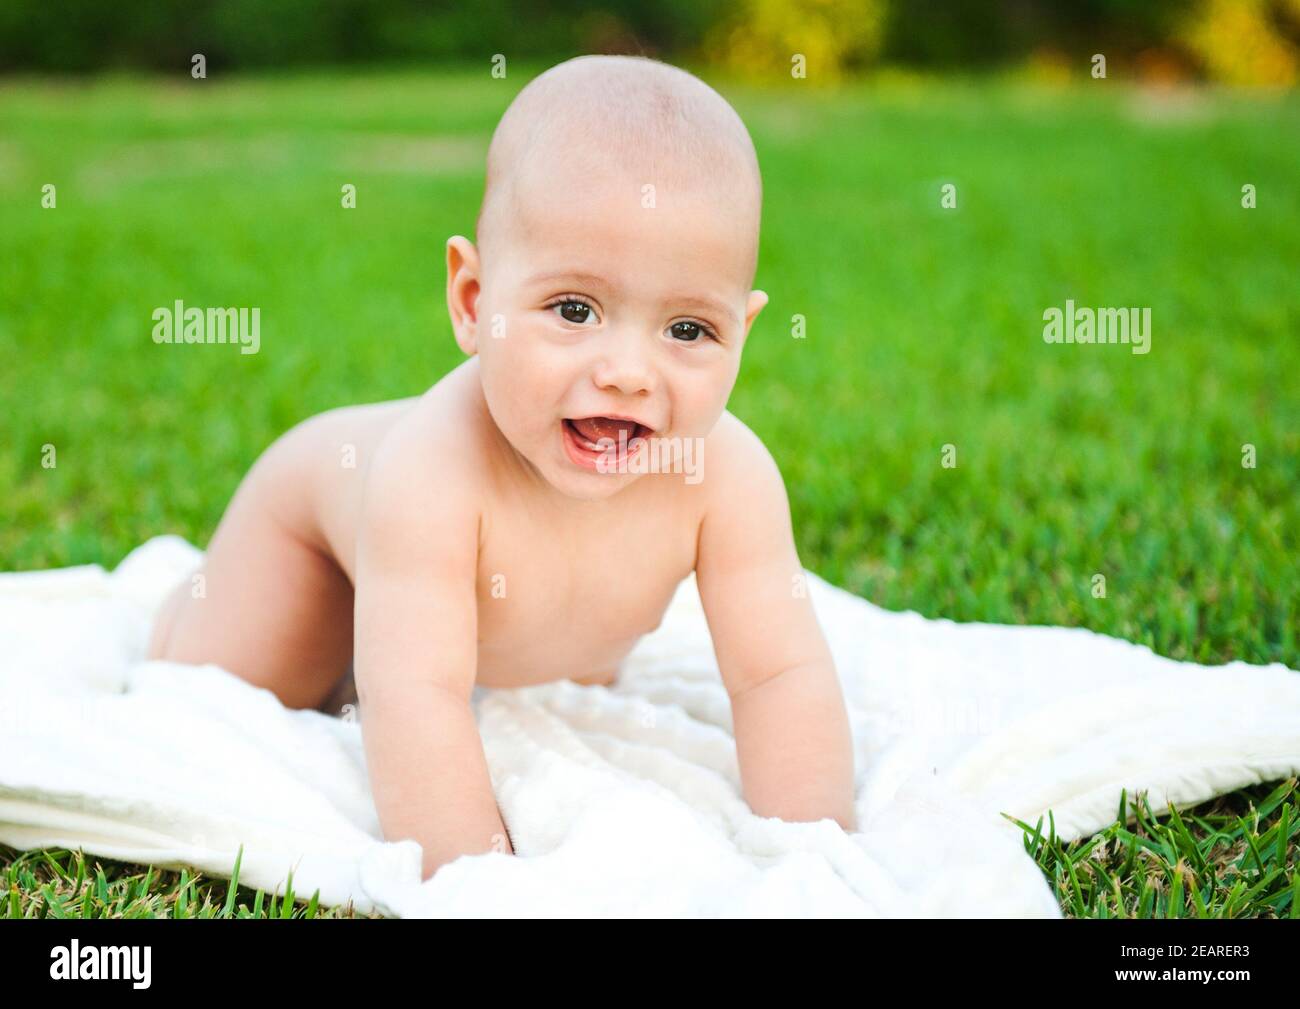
[1231,857]
[923,330]
[58,883]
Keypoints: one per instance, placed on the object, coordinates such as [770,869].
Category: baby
[505,528]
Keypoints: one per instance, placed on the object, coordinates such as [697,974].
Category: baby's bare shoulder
[737,462]
[427,468]
[746,525]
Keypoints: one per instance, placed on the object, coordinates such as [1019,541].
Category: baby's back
[320,469]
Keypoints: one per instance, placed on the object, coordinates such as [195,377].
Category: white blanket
[621,800]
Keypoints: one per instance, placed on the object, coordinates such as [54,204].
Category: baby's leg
[269,608]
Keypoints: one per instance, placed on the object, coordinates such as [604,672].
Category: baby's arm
[793,742]
[415,662]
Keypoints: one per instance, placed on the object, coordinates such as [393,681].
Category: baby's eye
[573,311]
[687,332]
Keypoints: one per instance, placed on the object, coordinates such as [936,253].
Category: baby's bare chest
[552,604]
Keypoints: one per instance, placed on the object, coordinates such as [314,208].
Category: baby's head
[611,285]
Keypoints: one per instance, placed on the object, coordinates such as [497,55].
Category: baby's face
[606,307]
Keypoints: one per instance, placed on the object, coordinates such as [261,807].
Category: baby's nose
[623,365]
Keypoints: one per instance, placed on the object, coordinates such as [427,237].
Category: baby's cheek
[704,403]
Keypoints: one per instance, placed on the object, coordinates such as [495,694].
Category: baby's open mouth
[604,444]
[599,434]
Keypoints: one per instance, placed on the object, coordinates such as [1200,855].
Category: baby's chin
[601,487]
[578,485]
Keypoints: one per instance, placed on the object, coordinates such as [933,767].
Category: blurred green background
[924,324]
[1230,41]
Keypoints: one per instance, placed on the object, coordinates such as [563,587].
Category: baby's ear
[757,299]
[463,291]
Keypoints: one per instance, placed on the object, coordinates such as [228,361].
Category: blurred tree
[955,33]
[766,38]
[1235,41]
[1241,42]
[86,35]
